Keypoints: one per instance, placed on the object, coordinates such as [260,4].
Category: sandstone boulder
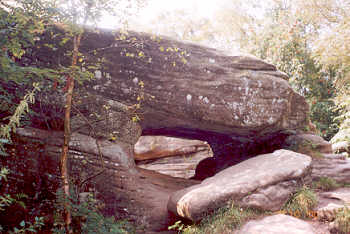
[265,182]
[278,224]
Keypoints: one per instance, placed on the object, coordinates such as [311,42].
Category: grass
[224,220]
[325,184]
[342,221]
[301,203]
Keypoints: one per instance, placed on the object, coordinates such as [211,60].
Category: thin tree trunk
[67,134]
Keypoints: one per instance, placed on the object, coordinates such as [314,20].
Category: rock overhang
[182,89]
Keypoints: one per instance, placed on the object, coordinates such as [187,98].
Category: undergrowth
[342,221]
[224,220]
[301,203]
[325,184]
[87,217]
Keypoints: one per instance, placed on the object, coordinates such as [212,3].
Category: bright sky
[199,8]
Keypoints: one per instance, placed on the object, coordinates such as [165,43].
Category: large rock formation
[144,84]
[241,105]
[104,168]
[185,86]
[179,89]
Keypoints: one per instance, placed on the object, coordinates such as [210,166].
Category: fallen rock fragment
[264,182]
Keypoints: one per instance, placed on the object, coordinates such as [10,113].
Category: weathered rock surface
[172,156]
[127,191]
[235,103]
[179,89]
[329,203]
[278,224]
[332,165]
[166,87]
[153,147]
[265,182]
[309,144]
[177,166]
[192,87]
[118,154]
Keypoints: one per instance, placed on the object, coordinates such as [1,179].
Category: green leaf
[4,141]
[22,224]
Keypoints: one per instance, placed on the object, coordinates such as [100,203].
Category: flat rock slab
[182,166]
[334,166]
[240,181]
[278,224]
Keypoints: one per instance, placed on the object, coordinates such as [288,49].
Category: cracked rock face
[265,182]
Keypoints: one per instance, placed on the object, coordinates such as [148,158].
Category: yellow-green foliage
[223,220]
[325,184]
[342,221]
[301,203]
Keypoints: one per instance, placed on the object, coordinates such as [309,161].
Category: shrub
[86,216]
[326,184]
[224,220]
[301,203]
[342,220]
